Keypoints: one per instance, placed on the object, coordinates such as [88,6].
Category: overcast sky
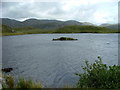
[93,11]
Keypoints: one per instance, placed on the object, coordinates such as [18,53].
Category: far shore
[14,34]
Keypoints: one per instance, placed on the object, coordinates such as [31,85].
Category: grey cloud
[54,10]
[18,10]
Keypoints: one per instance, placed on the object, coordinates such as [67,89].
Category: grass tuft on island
[64,38]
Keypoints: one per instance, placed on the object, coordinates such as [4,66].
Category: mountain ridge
[113,26]
[40,23]
[48,24]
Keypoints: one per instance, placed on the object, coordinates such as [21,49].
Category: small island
[64,38]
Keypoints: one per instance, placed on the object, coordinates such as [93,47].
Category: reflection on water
[55,62]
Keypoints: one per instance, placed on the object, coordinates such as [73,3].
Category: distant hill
[36,26]
[42,24]
[111,26]
[11,22]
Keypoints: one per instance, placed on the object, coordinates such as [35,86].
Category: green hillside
[6,30]
[85,29]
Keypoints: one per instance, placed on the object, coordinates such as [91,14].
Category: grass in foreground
[95,76]
[9,82]
[99,75]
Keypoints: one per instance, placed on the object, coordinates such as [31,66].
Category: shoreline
[16,34]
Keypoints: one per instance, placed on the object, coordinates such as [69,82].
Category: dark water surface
[54,63]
